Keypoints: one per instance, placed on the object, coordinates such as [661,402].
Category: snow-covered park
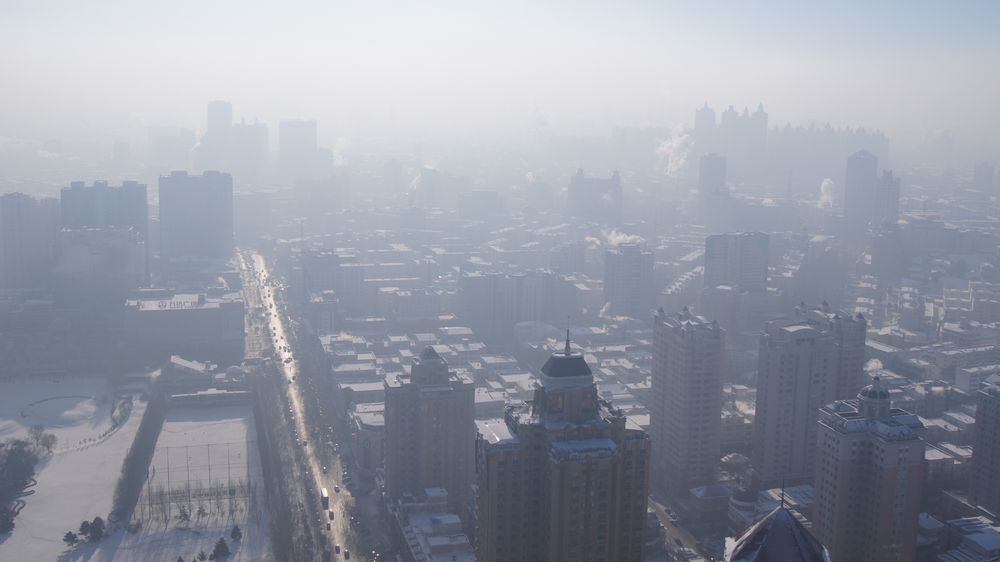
[209,452]
[77,482]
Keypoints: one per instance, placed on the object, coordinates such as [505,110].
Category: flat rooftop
[495,431]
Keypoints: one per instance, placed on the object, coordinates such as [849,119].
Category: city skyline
[508,282]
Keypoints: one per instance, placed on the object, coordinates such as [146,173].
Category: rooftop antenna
[782,492]
[567,342]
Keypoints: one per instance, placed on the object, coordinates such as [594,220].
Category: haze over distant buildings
[562,281]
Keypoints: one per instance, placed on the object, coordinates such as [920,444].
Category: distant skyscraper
[196,215]
[886,199]
[595,199]
[859,188]
[249,155]
[28,228]
[986,450]
[704,129]
[564,479]
[799,364]
[742,137]
[686,411]
[628,280]
[738,260]
[297,148]
[983,177]
[712,175]
[213,150]
[869,479]
[430,432]
[220,117]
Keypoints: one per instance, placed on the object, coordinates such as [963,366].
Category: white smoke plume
[605,314]
[826,193]
[604,310]
[615,238]
[675,150]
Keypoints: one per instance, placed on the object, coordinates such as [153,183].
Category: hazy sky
[436,69]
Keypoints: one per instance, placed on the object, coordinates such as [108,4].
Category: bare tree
[36,432]
[48,441]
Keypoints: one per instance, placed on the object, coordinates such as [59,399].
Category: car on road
[336,488]
[347,555]
[336,548]
[327,525]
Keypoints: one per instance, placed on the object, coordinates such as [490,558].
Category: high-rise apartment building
[213,149]
[704,128]
[742,137]
[738,260]
[799,370]
[28,229]
[886,208]
[220,117]
[869,479]
[628,280]
[100,205]
[248,151]
[985,488]
[430,432]
[565,478]
[686,409]
[492,303]
[860,183]
[796,374]
[196,215]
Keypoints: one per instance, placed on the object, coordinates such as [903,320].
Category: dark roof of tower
[566,364]
[778,537]
[429,354]
[863,154]
[875,391]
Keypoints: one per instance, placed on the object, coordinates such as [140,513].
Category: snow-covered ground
[78,481]
[206,446]
[203,449]
[74,408]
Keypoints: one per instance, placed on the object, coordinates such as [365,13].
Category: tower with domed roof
[563,478]
[869,478]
